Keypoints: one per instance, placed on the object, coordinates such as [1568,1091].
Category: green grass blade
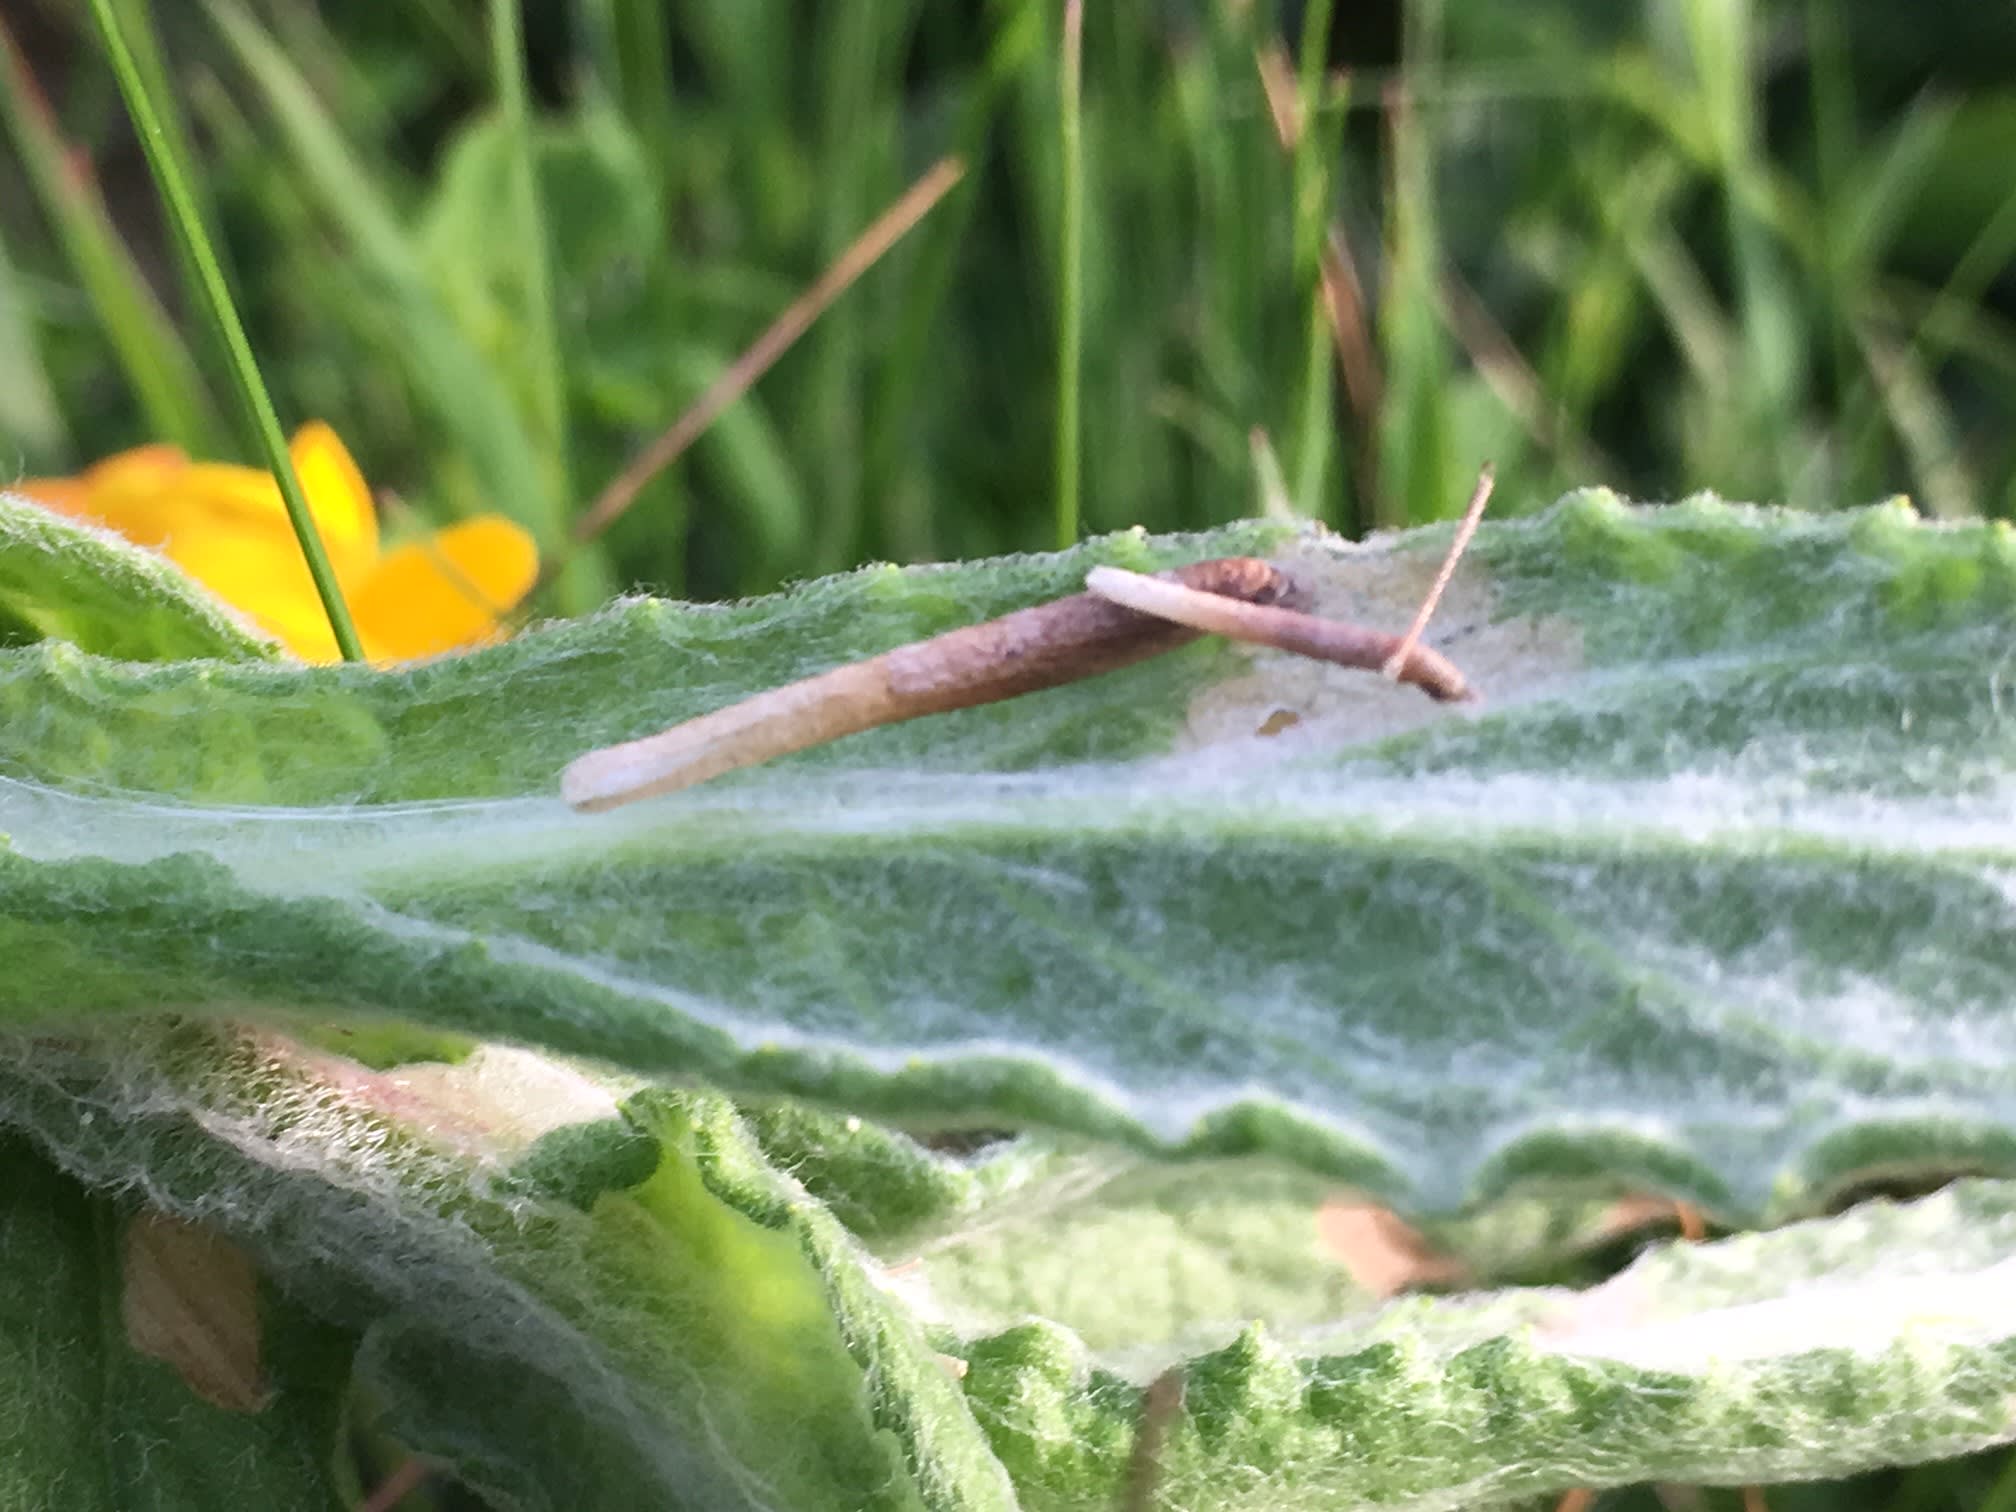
[1071,259]
[1414,444]
[1271,499]
[137,26]
[173,184]
[630,52]
[1316,426]
[440,357]
[548,386]
[164,377]
[30,420]
[909,530]
[454,33]
[1320,144]
[1923,423]
[854,160]
[1833,144]
[1315,148]
[1955,315]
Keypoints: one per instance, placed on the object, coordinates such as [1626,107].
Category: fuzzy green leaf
[93,1421]
[1708,897]
[88,587]
[576,1293]
[1885,1335]
[574,1306]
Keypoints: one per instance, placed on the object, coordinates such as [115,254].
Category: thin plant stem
[1071,282]
[1473,512]
[1282,628]
[215,299]
[741,374]
[1504,370]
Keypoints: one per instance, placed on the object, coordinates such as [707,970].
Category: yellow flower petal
[156,497]
[149,466]
[225,497]
[200,498]
[227,527]
[445,592]
[258,569]
[64,496]
[336,493]
[143,469]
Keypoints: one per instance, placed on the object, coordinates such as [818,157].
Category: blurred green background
[1760,248]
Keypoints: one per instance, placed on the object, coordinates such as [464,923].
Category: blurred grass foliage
[1757,246]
